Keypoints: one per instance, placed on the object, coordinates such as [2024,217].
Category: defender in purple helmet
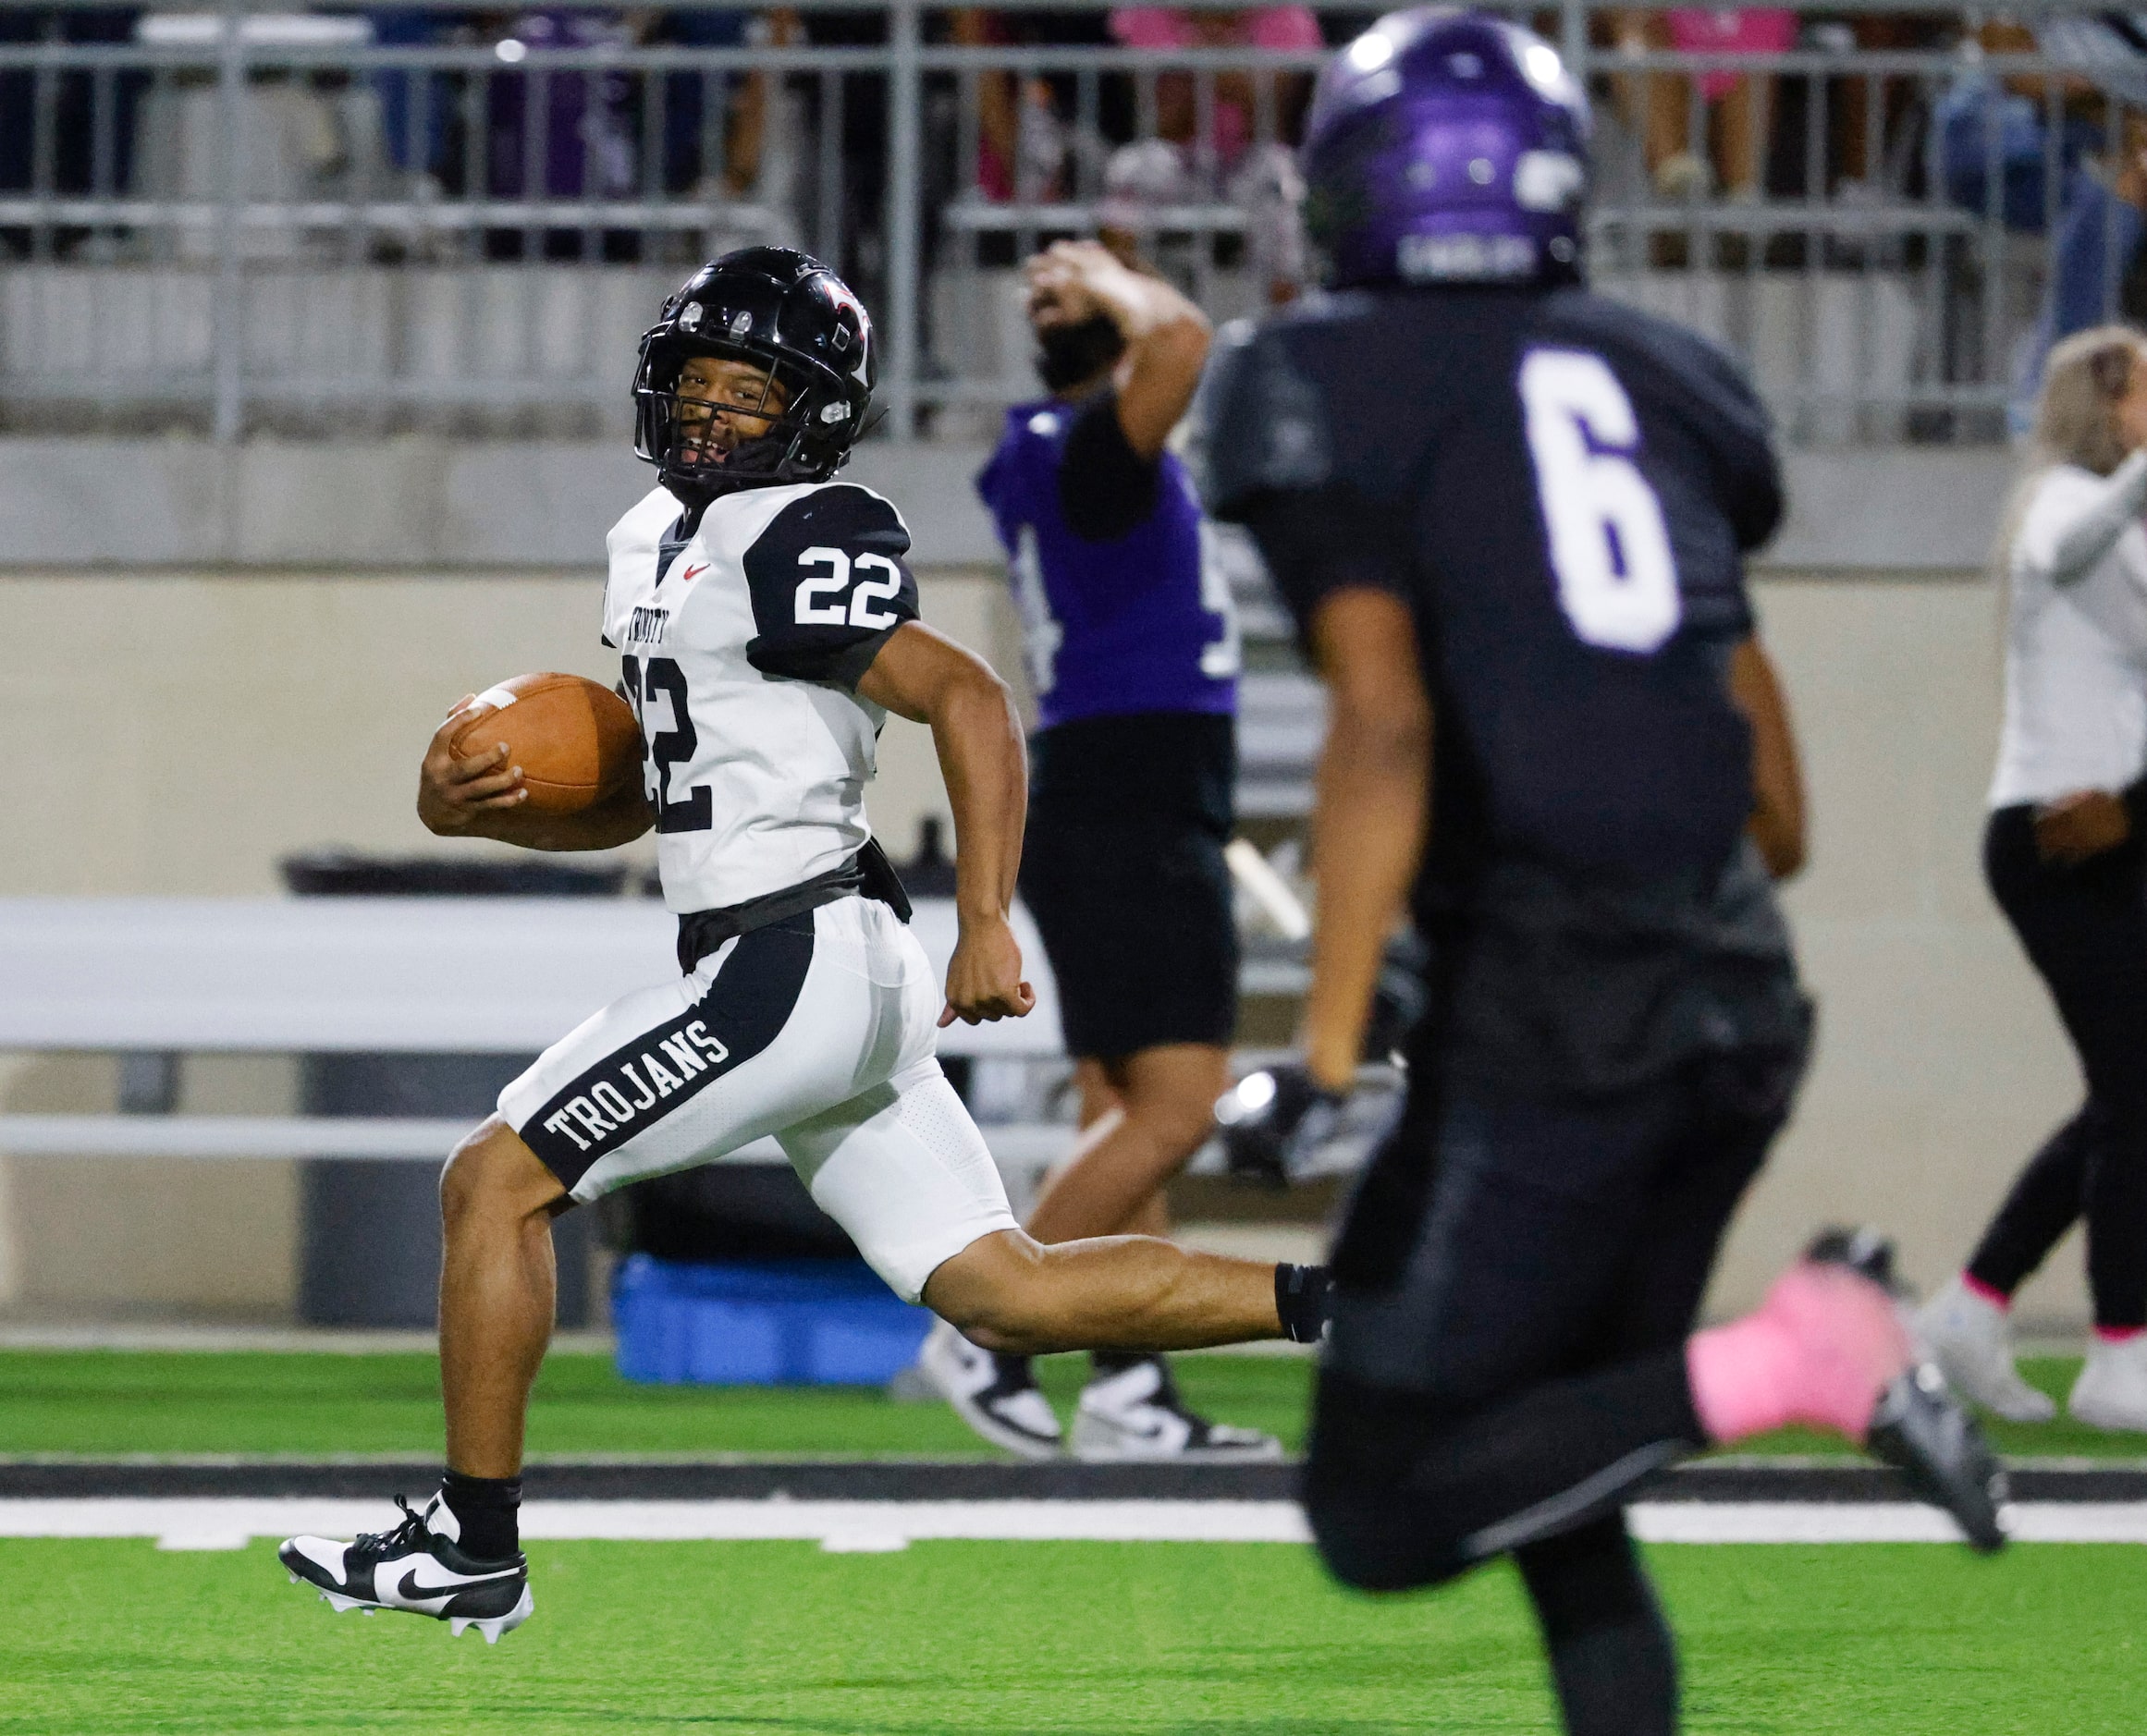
[1510,517]
[1447,147]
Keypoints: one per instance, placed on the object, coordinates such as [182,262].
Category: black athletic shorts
[1123,870]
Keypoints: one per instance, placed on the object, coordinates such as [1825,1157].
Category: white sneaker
[2112,1389]
[1136,1414]
[1969,1338]
[999,1401]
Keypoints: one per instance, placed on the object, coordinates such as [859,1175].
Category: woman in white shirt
[2066,855]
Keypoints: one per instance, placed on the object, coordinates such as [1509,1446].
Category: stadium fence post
[228,326]
[905,98]
[1573,36]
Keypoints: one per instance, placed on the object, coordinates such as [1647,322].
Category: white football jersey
[741,649]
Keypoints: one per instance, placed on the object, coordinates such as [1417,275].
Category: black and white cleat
[415,1569]
[998,1400]
[1136,1414]
[1925,1433]
[1919,1426]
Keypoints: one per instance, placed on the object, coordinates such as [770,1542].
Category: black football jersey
[1562,489]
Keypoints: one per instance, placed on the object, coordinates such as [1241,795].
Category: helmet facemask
[708,435]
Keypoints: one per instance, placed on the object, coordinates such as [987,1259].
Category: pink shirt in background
[1271,28]
[1746,30]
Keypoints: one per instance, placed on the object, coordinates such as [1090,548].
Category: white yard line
[871,1527]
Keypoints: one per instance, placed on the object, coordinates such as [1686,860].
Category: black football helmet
[779,309]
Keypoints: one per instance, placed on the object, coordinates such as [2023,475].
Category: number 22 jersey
[742,645]
[1563,490]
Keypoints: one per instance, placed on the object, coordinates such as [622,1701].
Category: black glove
[1274,1121]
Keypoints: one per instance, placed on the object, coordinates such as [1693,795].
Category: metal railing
[240,219]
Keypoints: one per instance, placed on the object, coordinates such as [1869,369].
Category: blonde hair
[2076,418]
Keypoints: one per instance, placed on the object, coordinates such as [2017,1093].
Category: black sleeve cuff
[849,669]
[831,665]
[1106,489]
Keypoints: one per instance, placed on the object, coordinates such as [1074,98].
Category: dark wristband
[1301,1302]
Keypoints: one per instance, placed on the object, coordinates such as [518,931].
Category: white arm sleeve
[2070,534]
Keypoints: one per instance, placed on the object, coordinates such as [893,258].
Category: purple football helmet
[1447,147]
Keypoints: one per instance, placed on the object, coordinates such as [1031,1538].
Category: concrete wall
[179,733]
[1940,1062]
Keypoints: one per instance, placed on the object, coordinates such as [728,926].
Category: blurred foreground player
[1133,653]
[768,624]
[1509,517]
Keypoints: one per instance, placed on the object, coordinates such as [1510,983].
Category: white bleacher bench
[398,975]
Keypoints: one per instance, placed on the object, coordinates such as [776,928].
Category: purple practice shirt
[1139,623]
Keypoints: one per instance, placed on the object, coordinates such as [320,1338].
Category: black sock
[1109,1363]
[487,1509]
[1301,1302]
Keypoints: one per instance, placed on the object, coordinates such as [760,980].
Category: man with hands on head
[766,623]
[1132,648]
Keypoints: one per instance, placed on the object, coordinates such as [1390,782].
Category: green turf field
[976,1639]
[109,1402]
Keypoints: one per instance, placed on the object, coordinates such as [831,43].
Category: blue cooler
[762,1323]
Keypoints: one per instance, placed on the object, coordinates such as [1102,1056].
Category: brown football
[575,740]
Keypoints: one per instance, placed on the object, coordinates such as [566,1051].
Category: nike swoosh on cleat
[413,1591]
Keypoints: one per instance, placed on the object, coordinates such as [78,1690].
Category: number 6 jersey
[1562,489]
[741,649]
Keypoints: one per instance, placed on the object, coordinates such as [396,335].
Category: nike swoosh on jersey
[691,574]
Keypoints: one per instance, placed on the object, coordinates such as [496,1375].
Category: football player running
[1510,517]
[767,624]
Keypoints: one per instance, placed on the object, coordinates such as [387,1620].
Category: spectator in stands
[90,153]
[1178,166]
[860,150]
[417,109]
[1278,29]
[2065,854]
[583,146]
[1735,108]
[1024,135]
[2102,202]
[733,170]
[1134,654]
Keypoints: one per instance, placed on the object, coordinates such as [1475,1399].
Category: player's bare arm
[1372,784]
[928,678]
[1777,821]
[1166,335]
[484,796]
